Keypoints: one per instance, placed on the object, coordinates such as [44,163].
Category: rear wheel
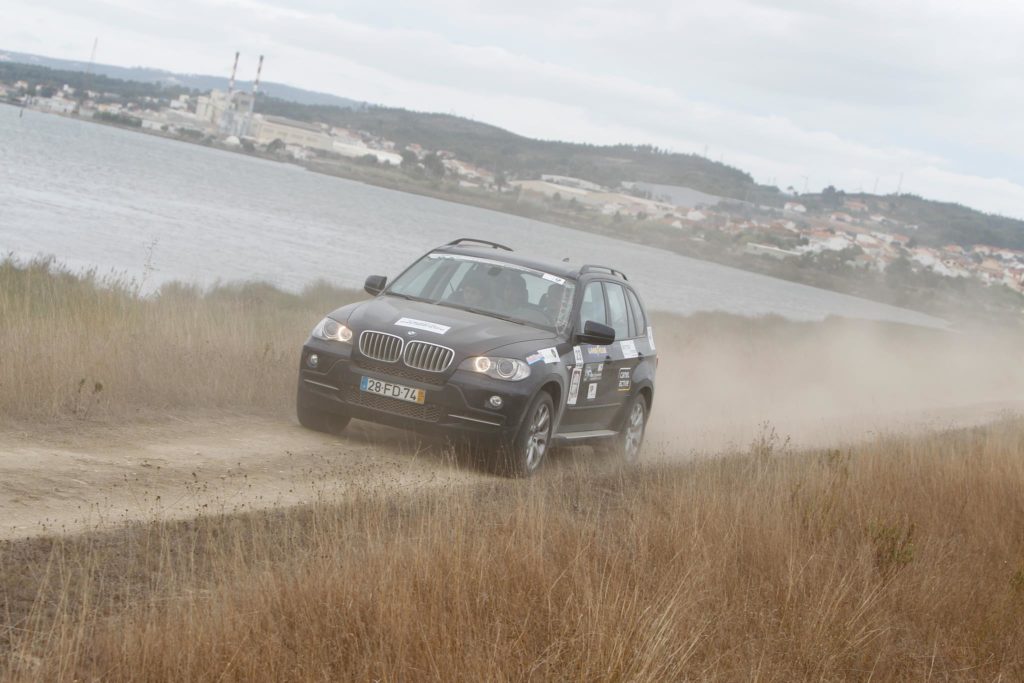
[627,443]
[525,453]
[319,420]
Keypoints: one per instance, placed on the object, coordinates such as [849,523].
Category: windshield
[501,290]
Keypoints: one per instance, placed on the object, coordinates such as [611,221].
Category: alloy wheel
[634,431]
[539,435]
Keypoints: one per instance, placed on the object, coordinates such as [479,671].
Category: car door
[591,381]
[624,356]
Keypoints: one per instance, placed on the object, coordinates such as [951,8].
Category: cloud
[851,94]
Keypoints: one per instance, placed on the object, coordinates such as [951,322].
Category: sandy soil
[73,481]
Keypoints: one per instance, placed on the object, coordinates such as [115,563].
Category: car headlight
[331,330]
[509,369]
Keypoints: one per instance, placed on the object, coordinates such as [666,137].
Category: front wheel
[525,453]
[627,443]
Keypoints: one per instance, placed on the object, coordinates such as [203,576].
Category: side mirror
[375,284]
[596,333]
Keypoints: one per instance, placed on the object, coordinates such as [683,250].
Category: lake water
[95,196]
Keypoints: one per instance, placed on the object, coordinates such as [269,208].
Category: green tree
[434,165]
[409,160]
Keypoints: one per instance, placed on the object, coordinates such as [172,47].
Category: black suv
[475,340]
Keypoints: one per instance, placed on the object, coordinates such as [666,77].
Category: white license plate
[402,393]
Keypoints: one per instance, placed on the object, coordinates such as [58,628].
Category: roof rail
[590,267]
[493,245]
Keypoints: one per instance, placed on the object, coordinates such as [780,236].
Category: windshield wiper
[481,311]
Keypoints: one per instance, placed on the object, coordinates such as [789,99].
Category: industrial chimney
[231,83]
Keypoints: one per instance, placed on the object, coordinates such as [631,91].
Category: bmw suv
[474,340]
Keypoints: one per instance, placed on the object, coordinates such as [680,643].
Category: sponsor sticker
[424,325]
[553,278]
[550,354]
[650,337]
[592,372]
[628,348]
[591,391]
[597,351]
[574,386]
[577,353]
[625,379]
[534,358]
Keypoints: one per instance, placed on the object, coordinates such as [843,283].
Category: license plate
[402,393]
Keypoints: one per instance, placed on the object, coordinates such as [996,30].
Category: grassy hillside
[500,150]
[939,223]
[162,82]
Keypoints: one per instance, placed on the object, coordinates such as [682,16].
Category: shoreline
[933,303]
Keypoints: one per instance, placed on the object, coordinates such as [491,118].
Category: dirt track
[70,480]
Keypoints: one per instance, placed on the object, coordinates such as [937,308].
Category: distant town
[844,231]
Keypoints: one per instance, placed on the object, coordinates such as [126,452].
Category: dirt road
[94,476]
[73,481]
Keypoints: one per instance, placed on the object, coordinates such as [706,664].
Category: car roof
[560,268]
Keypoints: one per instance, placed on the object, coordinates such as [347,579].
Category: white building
[57,105]
[346,149]
[266,129]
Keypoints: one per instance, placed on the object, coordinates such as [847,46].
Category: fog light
[495,402]
[313,360]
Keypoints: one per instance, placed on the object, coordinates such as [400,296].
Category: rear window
[638,314]
[618,311]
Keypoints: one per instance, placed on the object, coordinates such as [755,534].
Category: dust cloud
[723,381]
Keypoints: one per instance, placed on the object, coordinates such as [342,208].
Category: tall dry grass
[82,345]
[901,559]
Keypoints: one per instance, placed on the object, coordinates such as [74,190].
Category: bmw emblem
[411,333]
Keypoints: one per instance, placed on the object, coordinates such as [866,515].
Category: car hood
[467,333]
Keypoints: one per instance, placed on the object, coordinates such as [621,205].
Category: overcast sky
[796,92]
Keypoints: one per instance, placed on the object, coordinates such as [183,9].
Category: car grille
[394,406]
[422,355]
[381,346]
[396,371]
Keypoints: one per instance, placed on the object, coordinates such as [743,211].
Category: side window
[618,312]
[638,314]
[592,307]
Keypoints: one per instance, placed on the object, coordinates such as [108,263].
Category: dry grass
[80,345]
[902,558]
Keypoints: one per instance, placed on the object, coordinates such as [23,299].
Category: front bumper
[456,401]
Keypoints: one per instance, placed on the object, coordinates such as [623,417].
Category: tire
[626,445]
[320,420]
[525,453]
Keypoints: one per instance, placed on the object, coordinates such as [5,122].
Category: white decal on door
[574,385]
